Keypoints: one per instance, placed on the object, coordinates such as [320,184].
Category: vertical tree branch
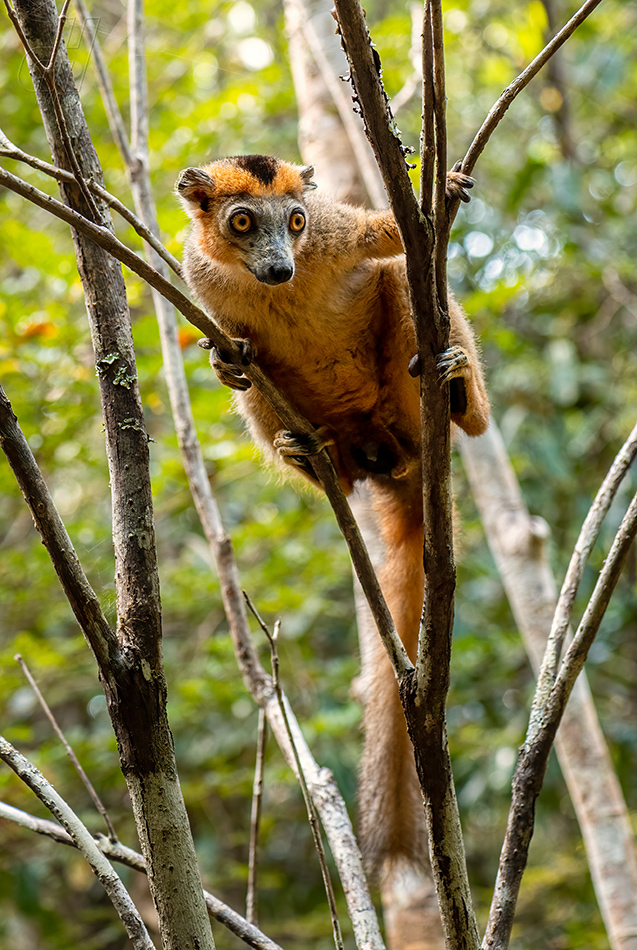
[427,138]
[255,821]
[424,697]
[136,691]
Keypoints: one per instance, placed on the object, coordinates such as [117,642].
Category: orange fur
[231,180]
[337,338]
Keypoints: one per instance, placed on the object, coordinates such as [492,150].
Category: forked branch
[83,841]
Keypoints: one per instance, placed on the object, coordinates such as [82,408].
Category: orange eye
[297,221]
[241,222]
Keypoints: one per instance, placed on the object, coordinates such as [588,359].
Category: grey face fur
[276,226]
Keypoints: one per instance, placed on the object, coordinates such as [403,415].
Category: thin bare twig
[117,851]
[441,217]
[9,150]
[84,842]
[48,73]
[307,798]
[113,114]
[427,139]
[583,547]
[255,820]
[69,751]
[498,110]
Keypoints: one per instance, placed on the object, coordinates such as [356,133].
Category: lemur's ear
[196,189]
[307,174]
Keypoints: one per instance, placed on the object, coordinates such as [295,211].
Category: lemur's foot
[293,445]
[457,183]
[228,372]
[452,364]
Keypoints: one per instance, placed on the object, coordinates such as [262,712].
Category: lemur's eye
[297,221]
[241,222]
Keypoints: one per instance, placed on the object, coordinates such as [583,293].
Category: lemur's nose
[279,273]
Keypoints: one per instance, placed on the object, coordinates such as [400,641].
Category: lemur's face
[265,231]
[249,213]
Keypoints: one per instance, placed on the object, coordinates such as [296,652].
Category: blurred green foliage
[542,259]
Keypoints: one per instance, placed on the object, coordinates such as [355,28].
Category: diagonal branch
[512,91]
[80,594]
[88,785]
[9,150]
[83,841]
[583,547]
[117,851]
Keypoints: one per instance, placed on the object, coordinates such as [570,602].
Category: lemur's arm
[374,234]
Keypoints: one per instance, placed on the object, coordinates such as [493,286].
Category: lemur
[319,289]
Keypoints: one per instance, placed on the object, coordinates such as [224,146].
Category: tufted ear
[307,174]
[196,190]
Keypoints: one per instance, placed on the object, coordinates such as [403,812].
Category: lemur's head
[249,211]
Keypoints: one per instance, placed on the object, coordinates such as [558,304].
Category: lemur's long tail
[392,824]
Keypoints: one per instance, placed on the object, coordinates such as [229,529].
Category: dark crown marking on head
[262,167]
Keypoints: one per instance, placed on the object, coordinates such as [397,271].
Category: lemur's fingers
[231,379]
[452,363]
[292,444]
[228,372]
[457,182]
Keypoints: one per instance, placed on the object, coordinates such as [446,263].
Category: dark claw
[414,366]
[457,182]
[451,363]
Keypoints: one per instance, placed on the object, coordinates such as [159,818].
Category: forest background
[542,259]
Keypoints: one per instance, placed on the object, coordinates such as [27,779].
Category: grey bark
[135,689]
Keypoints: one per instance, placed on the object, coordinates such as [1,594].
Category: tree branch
[583,547]
[81,596]
[9,150]
[86,782]
[543,724]
[498,110]
[136,691]
[519,544]
[117,851]
[424,696]
[427,139]
[252,913]
[83,841]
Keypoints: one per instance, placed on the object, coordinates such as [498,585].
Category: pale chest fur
[315,336]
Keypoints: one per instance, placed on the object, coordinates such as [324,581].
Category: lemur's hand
[229,373]
[292,445]
[457,182]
